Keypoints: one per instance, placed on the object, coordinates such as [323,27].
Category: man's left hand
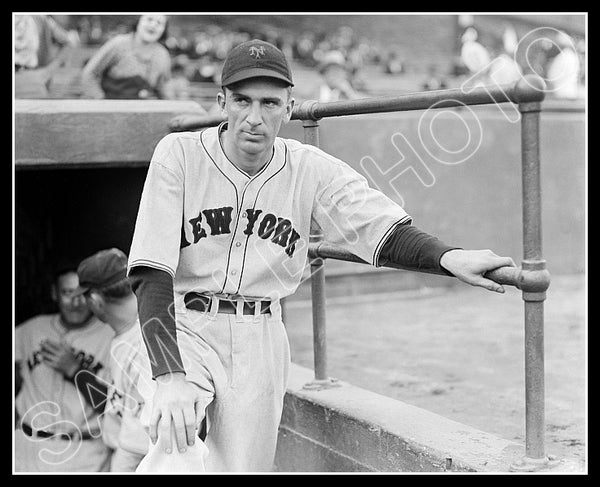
[60,356]
[470,265]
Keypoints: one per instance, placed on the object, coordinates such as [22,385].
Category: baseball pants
[240,364]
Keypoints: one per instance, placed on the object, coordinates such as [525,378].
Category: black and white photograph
[300,243]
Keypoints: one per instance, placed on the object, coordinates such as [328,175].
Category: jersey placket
[237,253]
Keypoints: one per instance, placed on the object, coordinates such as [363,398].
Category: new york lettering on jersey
[85,360]
[268,226]
[216,229]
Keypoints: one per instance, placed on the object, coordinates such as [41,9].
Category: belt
[29,431]
[201,302]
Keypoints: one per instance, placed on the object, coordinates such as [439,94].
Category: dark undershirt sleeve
[154,291]
[413,249]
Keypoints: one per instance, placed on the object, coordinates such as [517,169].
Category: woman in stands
[133,65]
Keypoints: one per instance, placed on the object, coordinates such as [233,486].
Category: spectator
[335,84]
[563,69]
[40,48]
[474,56]
[434,80]
[61,379]
[510,40]
[393,63]
[503,68]
[581,53]
[133,65]
[304,47]
[180,84]
[96,33]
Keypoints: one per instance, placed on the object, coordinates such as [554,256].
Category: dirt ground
[459,352]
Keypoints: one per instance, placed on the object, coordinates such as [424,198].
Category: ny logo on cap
[257,51]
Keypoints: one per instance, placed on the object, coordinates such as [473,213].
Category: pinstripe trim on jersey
[151,263]
[402,221]
[217,166]
[237,201]
[254,207]
[219,129]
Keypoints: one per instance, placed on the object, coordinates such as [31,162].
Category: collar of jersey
[63,330]
[222,127]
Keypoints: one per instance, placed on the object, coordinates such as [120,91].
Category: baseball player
[104,283]
[61,365]
[221,237]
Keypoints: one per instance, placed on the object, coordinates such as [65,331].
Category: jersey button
[238,244]
[233,272]
[244,215]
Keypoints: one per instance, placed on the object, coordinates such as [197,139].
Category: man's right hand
[175,403]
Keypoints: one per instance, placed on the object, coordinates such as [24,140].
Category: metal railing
[531,278]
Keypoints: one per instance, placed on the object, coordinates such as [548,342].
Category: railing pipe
[528,89]
[524,90]
[534,294]
[317,282]
[511,276]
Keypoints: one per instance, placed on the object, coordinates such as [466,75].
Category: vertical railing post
[534,302]
[535,280]
[317,282]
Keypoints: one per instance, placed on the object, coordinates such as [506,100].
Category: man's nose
[255,114]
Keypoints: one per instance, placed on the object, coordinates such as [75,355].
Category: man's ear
[96,300]
[221,101]
[54,293]
[289,109]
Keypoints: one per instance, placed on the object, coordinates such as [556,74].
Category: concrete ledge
[90,133]
[349,429]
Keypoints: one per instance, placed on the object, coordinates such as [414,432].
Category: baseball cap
[253,59]
[102,269]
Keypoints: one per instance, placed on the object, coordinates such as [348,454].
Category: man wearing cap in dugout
[107,290]
[220,238]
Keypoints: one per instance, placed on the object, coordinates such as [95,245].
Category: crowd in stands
[197,55]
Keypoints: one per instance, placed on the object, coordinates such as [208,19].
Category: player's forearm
[412,248]
[154,291]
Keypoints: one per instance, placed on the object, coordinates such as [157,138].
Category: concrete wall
[348,429]
[88,133]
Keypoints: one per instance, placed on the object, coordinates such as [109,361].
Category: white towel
[191,461]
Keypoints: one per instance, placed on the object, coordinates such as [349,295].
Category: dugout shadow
[64,215]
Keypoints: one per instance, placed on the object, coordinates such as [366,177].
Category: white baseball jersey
[46,397]
[216,229]
[122,427]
